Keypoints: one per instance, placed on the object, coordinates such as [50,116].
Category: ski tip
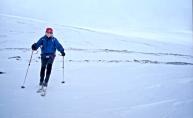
[63,82]
[22,87]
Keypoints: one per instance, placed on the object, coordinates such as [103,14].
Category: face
[49,34]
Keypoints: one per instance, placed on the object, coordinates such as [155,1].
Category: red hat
[49,30]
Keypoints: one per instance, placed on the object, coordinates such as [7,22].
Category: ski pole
[27,70]
[63,70]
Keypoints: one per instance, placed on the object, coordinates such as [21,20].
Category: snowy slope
[107,75]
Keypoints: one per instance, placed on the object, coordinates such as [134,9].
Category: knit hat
[49,30]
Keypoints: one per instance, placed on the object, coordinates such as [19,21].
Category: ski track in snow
[140,61]
[110,51]
[128,109]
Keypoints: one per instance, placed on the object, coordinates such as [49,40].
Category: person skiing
[48,44]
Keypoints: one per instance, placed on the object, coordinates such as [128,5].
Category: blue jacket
[49,45]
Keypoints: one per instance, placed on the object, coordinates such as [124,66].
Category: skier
[48,44]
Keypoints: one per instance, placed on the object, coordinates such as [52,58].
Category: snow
[107,75]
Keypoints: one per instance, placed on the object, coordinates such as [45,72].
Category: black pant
[46,64]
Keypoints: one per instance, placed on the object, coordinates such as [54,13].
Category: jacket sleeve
[58,46]
[39,43]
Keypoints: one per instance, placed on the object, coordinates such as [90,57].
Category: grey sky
[116,15]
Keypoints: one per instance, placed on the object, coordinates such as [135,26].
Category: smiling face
[48,34]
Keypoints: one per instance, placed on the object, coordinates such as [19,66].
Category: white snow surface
[107,75]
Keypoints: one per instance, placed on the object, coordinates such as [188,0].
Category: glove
[63,53]
[33,47]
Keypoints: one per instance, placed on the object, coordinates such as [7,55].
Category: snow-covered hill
[107,75]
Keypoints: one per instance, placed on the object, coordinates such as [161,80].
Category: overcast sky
[117,15]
